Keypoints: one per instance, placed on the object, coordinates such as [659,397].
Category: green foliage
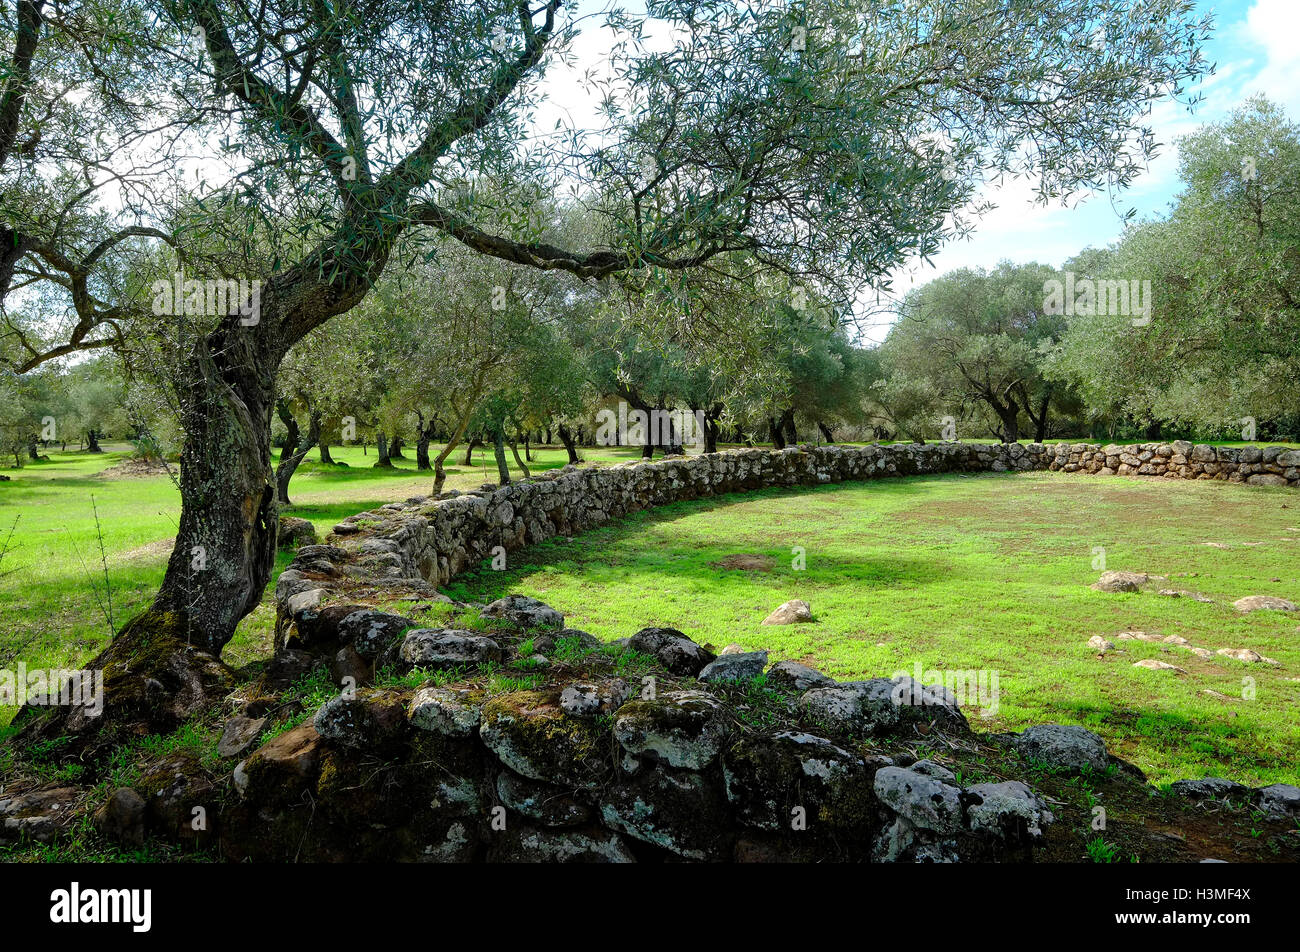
[972,346]
[1223,343]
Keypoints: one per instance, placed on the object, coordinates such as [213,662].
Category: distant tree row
[1188,325]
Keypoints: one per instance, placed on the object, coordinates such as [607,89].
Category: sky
[1255,48]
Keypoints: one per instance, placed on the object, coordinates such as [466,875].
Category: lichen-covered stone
[794,676]
[768,778]
[1208,788]
[880,706]
[923,801]
[526,844]
[366,720]
[371,632]
[445,710]
[524,612]
[738,666]
[677,810]
[436,649]
[1008,811]
[533,736]
[591,699]
[1065,746]
[676,652]
[542,803]
[680,728]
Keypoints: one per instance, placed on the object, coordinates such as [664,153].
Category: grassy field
[980,572]
[958,572]
[54,600]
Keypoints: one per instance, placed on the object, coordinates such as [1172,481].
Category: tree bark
[325,456]
[523,466]
[296,448]
[92,442]
[424,433]
[1010,417]
[225,540]
[381,447]
[570,445]
[791,434]
[826,432]
[776,433]
[395,445]
[474,444]
[499,449]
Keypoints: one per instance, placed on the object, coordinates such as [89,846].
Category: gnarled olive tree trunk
[570,444]
[225,543]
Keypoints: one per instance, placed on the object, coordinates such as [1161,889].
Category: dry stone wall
[436,540]
[585,764]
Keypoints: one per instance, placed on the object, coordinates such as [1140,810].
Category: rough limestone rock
[282,770]
[522,844]
[1008,811]
[1280,799]
[794,612]
[525,612]
[121,818]
[440,648]
[1066,746]
[923,801]
[368,720]
[1098,643]
[295,532]
[680,728]
[676,810]
[369,633]
[589,700]
[534,737]
[1121,581]
[1241,654]
[674,650]
[878,706]
[1256,603]
[447,711]
[1155,664]
[239,735]
[768,778]
[735,667]
[40,814]
[933,769]
[574,637]
[794,676]
[1208,788]
[543,803]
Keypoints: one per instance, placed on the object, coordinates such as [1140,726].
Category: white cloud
[1274,25]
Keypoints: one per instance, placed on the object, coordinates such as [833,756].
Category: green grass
[979,572]
[53,604]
